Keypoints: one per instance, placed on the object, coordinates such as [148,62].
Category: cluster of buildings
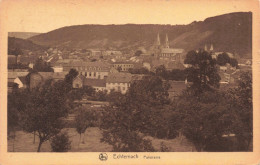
[107,70]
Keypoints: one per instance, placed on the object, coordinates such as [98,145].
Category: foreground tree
[242,111]
[73,73]
[83,120]
[44,112]
[130,117]
[203,71]
[203,120]
[61,143]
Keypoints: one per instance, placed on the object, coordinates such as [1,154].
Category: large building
[165,52]
[123,65]
[94,70]
[119,82]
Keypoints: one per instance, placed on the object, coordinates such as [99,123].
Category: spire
[158,43]
[166,42]
[205,48]
[211,47]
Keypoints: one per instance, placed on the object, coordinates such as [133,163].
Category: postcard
[129,82]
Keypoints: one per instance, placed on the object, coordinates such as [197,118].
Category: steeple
[158,43]
[205,48]
[166,42]
[211,47]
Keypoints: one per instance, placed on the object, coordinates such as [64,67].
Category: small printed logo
[103,156]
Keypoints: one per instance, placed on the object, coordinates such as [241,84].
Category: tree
[17,100]
[73,73]
[60,143]
[100,96]
[16,51]
[119,68]
[177,75]
[203,71]
[233,62]
[84,119]
[161,71]
[42,66]
[204,119]
[240,99]
[44,111]
[131,116]
[142,70]
[138,53]
[223,59]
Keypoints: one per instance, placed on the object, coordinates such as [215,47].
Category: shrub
[61,143]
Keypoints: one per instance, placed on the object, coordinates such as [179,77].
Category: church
[165,52]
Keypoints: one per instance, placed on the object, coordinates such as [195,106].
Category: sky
[46,15]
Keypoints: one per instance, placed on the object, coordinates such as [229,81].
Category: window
[94,74]
[89,74]
[123,88]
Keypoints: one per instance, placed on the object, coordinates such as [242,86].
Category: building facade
[94,70]
[123,66]
[119,82]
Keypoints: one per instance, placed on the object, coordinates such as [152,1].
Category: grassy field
[89,143]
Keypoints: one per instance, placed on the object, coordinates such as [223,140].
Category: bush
[61,143]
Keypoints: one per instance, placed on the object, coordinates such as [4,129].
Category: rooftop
[171,50]
[95,82]
[119,78]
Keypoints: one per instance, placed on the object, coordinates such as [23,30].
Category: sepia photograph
[126,80]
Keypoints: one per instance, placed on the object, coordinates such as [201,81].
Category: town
[154,96]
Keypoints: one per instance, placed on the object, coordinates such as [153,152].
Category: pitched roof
[23,79]
[95,82]
[119,78]
[171,50]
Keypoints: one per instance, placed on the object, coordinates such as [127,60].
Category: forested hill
[22,35]
[22,44]
[229,32]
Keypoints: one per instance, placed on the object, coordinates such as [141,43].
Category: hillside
[22,35]
[230,32]
[23,44]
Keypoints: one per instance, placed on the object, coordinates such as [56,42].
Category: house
[38,78]
[13,75]
[118,81]
[78,81]
[21,82]
[123,66]
[81,81]
[97,84]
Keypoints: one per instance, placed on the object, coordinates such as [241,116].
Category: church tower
[205,48]
[158,42]
[211,47]
[166,42]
